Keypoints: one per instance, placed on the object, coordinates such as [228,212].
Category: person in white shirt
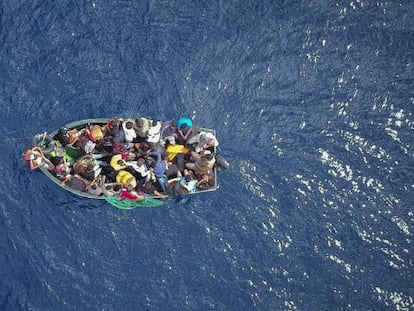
[154,132]
[129,130]
[140,167]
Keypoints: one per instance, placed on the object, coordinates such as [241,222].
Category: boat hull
[102,121]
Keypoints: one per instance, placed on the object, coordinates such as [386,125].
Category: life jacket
[114,162]
[124,176]
[173,150]
[95,133]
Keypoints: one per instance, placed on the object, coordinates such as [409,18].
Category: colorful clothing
[126,178]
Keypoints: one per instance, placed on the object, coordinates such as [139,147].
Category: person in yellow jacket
[126,178]
[117,163]
[173,150]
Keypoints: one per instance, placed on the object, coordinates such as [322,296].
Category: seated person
[175,188]
[62,167]
[203,141]
[140,167]
[110,188]
[117,163]
[203,164]
[189,181]
[169,133]
[68,138]
[86,145]
[112,127]
[88,171]
[87,167]
[183,134]
[160,166]
[142,126]
[126,178]
[128,126]
[124,150]
[154,132]
[76,182]
[94,188]
[205,181]
[151,187]
[113,131]
[143,148]
[35,158]
[95,133]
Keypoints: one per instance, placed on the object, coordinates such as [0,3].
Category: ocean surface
[313,103]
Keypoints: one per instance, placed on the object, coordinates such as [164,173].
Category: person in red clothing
[129,193]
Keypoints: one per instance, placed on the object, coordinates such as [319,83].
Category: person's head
[208,157]
[108,187]
[113,124]
[129,188]
[139,187]
[120,162]
[117,187]
[211,142]
[173,124]
[179,190]
[94,187]
[139,122]
[114,127]
[151,146]
[140,161]
[129,125]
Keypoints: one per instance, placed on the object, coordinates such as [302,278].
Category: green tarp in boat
[128,204]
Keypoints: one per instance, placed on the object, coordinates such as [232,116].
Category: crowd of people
[129,158]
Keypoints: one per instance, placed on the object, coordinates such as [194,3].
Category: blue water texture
[313,103]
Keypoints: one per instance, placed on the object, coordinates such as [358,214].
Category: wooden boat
[48,144]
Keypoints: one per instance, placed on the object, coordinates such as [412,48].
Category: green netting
[128,204]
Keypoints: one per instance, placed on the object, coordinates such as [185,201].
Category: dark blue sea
[313,103]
